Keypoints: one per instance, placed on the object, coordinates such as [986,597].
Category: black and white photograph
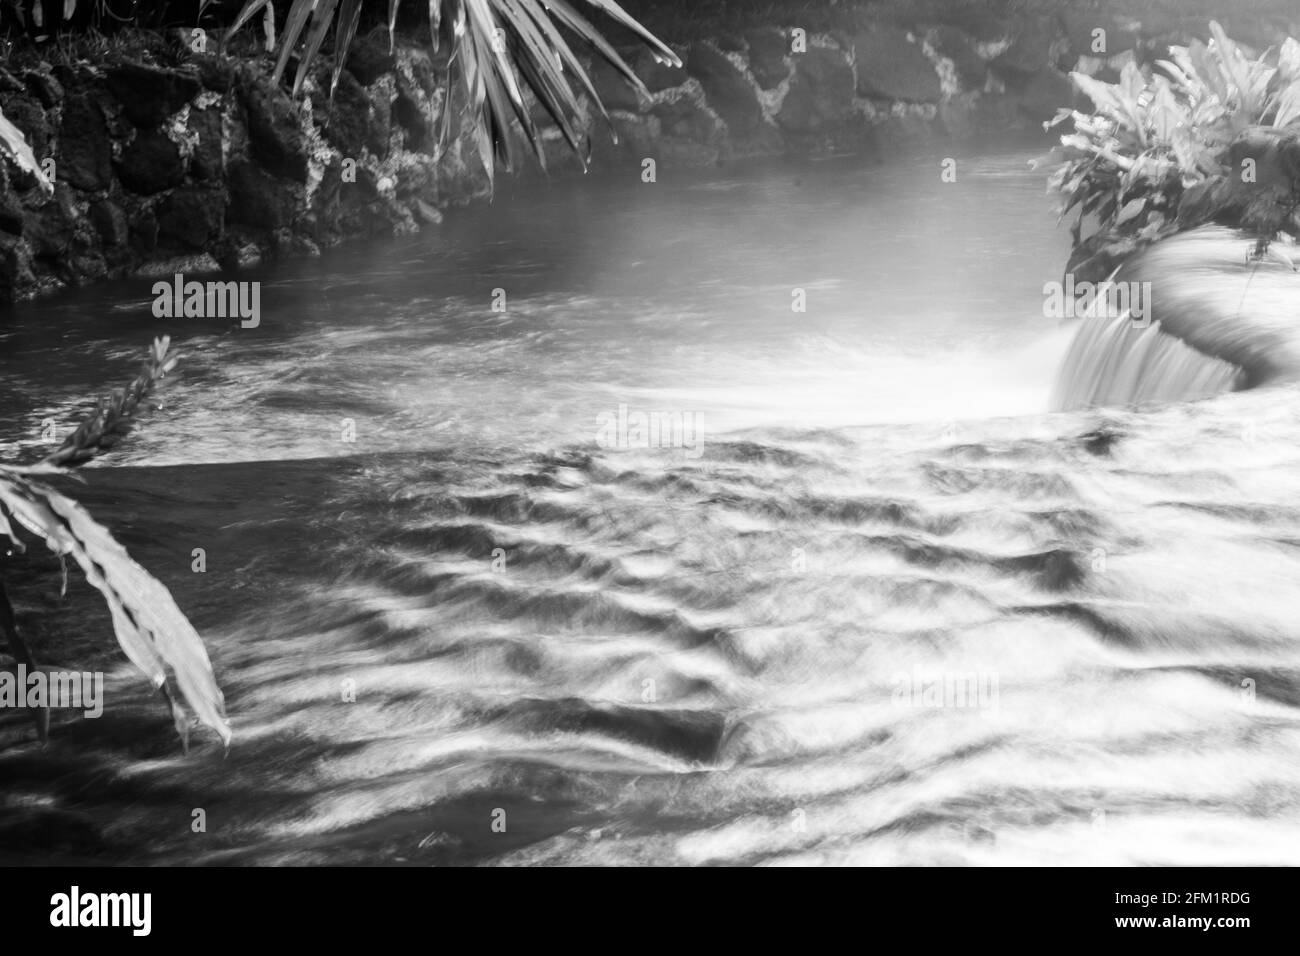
[665,433]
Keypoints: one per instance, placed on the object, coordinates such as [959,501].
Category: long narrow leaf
[349,17]
[293,27]
[321,19]
[150,628]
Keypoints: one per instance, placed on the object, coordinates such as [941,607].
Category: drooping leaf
[435,22]
[299,12]
[246,13]
[348,18]
[15,148]
[152,631]
[320,23]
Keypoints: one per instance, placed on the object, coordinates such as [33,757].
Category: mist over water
[641,656]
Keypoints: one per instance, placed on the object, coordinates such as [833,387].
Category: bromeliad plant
[502,52]
[152,631]
[1162,150]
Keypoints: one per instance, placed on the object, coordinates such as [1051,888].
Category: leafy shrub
[1163,150]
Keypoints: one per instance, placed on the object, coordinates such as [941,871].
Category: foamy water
[893,612]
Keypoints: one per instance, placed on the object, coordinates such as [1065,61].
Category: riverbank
[168,156]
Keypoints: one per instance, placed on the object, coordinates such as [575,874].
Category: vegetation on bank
[506,56]
[1211,134]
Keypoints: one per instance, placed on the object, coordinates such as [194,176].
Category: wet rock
[423,71]
[768,49]
[248,256]
[85,156]
[216,73]
[892,67]
[192,217]
[16,277]
[151,164]
[369,59]
[206,162]
[980,22]
[300,245]
[149,94]
[729,92]
[11,214]
[85,268]
[109,221]
[381,120]
[1035,46]
[1039,96]
[612,88]
[259,200]
[959,46]
[50,228]
[686,118]
[821,93]
[957,115]
[356,118]
[419,178]
[45,88]
[656,76]
[409,114]
[201,264]
[345,121]
[325,203]
[144,231]
[275,132]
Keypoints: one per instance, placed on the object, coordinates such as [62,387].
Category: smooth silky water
[719,654]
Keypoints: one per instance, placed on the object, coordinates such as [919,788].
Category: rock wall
[171,160]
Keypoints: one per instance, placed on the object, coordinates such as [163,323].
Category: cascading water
[1117,361]
[891,614]
[1218,319]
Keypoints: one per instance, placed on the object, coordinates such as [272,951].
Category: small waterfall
[1115,361]
[1217,319]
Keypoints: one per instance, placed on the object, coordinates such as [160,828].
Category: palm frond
[502,53]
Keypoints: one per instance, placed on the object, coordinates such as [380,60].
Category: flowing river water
[877,605]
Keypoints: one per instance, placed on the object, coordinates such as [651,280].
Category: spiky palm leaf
[499,50]
[153,632]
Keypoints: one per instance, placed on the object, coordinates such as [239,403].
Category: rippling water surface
[664,655]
